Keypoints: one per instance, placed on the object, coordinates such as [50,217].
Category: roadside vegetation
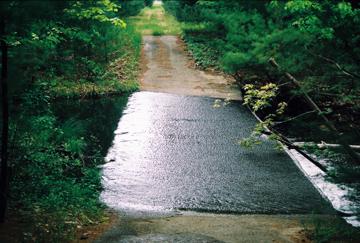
[50,180]
[330,229]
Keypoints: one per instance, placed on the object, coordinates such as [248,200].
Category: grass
[155,21]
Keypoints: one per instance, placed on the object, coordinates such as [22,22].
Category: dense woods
[297,63]
[53,50]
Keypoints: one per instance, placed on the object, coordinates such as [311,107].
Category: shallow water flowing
[173,152]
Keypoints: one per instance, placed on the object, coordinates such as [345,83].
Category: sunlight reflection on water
[178,152]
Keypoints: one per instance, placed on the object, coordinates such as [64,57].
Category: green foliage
[53,41]
[203,55]
[183,10]
[309,39]
[62,49]
[51,179]
[316,41]
[130,7]
[331,229]
[118,77]
[102,11]
[259,98]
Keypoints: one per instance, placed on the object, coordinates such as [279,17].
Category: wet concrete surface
[168,68]
[172,153]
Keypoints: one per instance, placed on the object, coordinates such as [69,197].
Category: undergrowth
[331,230]
[56,182]
[118,77]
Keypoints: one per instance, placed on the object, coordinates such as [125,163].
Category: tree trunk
[5,121]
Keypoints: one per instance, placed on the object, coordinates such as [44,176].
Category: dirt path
[212,228]
[168,68]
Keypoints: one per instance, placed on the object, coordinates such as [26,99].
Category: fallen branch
[285,141]
[291,145]
[293,118]
[355,157]
[337,65]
